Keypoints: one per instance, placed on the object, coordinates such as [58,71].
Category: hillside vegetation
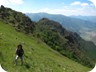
[21,22]
[67,43]
[86,29]
[38,57]
[85,26]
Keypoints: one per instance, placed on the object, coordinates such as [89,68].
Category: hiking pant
[16,58]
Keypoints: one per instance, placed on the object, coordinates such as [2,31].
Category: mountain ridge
[83,27]
[64,20]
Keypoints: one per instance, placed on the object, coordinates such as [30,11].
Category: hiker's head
[20,46]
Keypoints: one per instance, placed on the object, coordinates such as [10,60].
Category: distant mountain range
[88,35]
[82,25]
[88,18]
[73,24]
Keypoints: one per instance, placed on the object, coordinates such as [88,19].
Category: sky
[64,7]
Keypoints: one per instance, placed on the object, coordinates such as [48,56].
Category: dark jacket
[19,52]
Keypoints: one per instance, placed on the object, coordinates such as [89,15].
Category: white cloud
[85,11]
[84,4]
[13,2]
[16,1]
[79,3]
[75,3]
[94,2]
[45,10]
[4,2]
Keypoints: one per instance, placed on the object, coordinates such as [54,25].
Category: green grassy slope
[38,56]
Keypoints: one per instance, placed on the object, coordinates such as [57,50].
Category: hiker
[19,54]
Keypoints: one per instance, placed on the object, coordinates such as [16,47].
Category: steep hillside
[86,29]
[38,57]
[65,42]
[21,22]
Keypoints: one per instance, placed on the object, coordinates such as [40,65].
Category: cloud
[69,11]
[45,10]
[94,2]
[13,2]
[4,2]
[79,3]
[75,3]
[16,1]
[84,4]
